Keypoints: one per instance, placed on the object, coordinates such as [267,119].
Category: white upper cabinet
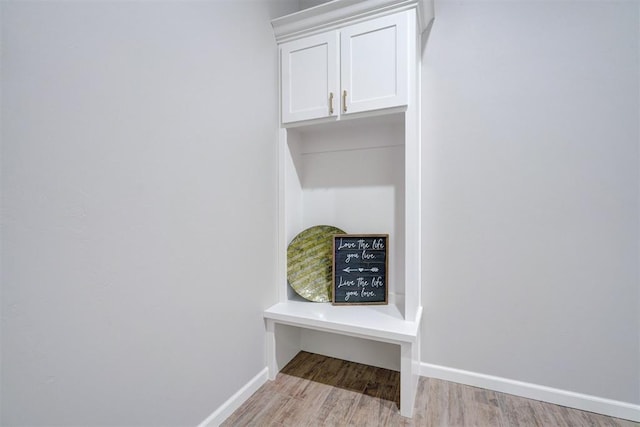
[357,68]
[309,77]
[374,67]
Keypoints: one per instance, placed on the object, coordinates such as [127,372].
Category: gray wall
[531,133]
[138,171]
[138,136]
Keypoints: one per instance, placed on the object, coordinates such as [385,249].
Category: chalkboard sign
[360,269]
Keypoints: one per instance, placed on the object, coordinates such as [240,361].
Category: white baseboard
[234,402]
[570,399]
[585,402]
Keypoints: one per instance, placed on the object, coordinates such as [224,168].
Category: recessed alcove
[349,157]
[350,175]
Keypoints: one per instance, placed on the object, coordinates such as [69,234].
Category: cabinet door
[374,64]
[309,77]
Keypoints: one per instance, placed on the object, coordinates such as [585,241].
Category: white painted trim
[334,14]
[235,401]
[585,402]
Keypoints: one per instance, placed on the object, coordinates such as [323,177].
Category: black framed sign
[360,269]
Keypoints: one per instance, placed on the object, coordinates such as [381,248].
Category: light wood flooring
[314,390]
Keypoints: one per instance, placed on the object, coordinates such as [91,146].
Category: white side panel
[289,340]
[413,217]
[292,187]
[292,202]
[407,380]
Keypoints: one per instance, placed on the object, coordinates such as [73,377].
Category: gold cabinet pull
[344,101]
[331,103]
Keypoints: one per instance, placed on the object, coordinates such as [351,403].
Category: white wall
[138,207]
[531,193]
[138,136]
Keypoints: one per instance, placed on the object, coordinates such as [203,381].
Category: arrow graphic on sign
[353,270]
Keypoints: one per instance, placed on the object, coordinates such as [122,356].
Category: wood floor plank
[431,403]
[336,409]
[423,400]
[314,391]
[371,411]
[481,407]
[517,411]
[626,423]
[357,376]
[333,373]
[252,407]
[298,374]
[380,398]
[259,411]
[455,415]
[548,415]
[296,411]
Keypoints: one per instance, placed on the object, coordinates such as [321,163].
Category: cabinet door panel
[374,57]
[309,73]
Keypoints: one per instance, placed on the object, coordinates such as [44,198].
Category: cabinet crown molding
[337,13]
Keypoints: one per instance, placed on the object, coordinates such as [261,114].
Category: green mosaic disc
[310,262]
